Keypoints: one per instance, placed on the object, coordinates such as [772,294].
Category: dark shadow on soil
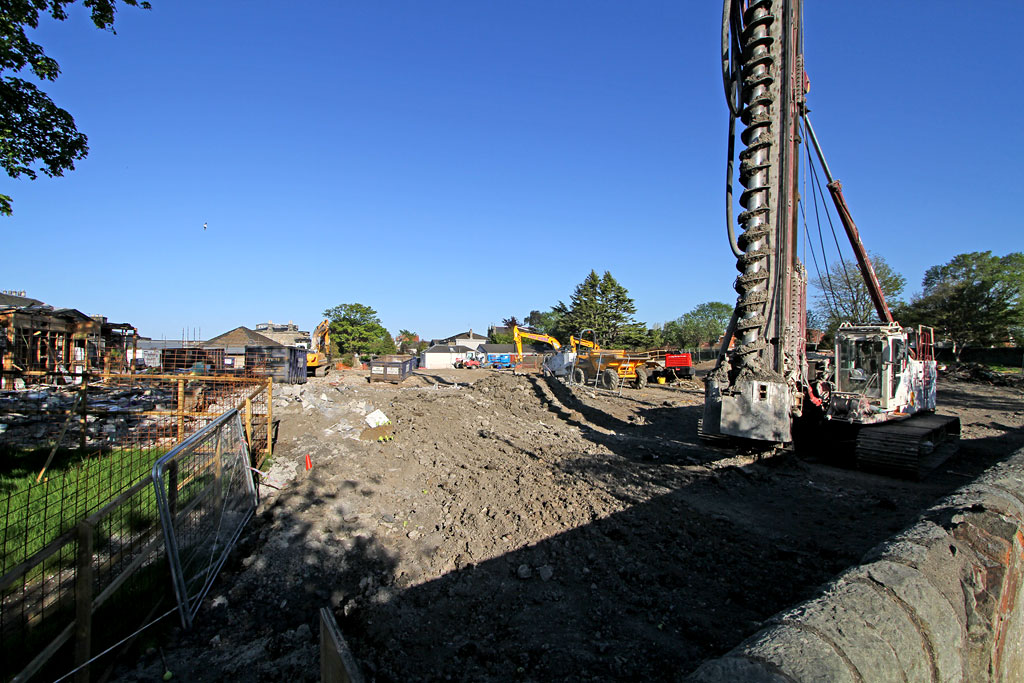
[693,566]
[666,431]
[440,379]
[258,623]
[632,596]
[950,394]
[646,593]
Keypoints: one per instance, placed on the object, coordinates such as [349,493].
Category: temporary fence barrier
[88,523]
[206,494]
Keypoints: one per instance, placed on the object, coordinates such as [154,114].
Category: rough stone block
[941,626]
[730,669]
[870,628]
[799,654]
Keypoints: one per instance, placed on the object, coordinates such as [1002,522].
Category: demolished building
[37,338]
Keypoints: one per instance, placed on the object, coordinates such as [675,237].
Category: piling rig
[879,394]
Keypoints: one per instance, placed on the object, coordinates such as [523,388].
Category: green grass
[75,486]
[1004,368]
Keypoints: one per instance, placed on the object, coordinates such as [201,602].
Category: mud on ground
[519,530]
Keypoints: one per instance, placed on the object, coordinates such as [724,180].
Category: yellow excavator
[518,335]
[575,343]
[318,356]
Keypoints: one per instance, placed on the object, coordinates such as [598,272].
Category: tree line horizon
[974,299]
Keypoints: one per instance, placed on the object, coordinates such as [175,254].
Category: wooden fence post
[218,469]
[248,422]
[270,418]
[337,665]
[181,410]
[83,602]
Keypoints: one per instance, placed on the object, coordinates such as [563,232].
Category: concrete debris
[28,418]
[377,419]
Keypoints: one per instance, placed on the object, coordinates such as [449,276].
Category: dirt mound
[519,529]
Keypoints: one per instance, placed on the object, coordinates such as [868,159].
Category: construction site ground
[516,529]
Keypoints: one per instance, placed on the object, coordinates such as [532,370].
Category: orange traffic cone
[309,463]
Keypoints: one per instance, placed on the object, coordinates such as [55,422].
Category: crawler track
[909,448]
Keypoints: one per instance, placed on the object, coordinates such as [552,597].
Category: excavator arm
[518,336]
[318,356]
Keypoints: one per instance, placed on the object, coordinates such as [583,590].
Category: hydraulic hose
[730,81]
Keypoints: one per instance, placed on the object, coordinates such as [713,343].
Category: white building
[442,356]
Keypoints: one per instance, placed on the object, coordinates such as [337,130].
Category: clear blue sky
[453,163]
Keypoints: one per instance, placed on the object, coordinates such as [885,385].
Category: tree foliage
[603,305]
[545,322]
[35,134]
[842,295]
[355,328]
[976,298]
[408,341]
[510,322]
[704,324]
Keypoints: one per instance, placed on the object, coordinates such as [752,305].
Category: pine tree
[600,304]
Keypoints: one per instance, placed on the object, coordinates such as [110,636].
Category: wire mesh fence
[77,454]
[206,495]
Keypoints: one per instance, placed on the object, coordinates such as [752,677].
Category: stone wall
[938,602]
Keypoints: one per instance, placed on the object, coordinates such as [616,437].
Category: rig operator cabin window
[859,372]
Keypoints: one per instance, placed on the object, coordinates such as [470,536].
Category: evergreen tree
[603,305]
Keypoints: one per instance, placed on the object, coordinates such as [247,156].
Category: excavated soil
[516,529]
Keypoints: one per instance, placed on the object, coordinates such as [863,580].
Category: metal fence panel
[206,494]
[107,433]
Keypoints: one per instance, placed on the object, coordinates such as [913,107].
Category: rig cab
[882,372]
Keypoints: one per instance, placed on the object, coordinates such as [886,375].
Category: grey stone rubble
[37,415]
[334,403]
[342,407]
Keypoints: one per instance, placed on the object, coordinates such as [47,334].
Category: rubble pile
[976,372]
[37,416]
[340,406]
